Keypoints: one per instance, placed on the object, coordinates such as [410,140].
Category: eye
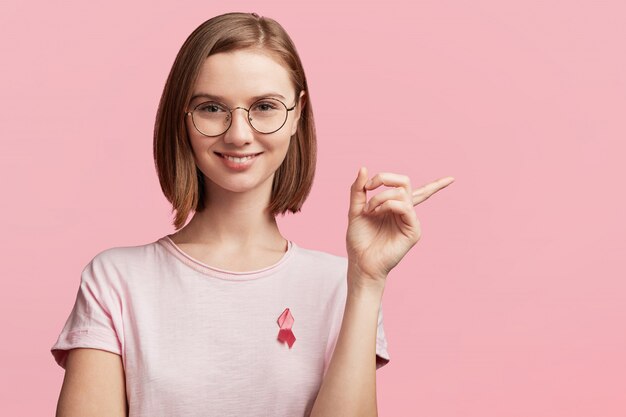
[265,106]
[211,107]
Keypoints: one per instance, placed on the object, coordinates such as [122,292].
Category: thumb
[358,194]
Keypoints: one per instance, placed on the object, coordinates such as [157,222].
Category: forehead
[239,75]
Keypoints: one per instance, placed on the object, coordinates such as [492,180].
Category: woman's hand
[381,231]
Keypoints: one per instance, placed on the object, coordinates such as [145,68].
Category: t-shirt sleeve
[93,321]
[382,355]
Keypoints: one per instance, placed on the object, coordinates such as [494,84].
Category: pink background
[514,301]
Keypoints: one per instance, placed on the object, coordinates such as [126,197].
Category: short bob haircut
[181,181]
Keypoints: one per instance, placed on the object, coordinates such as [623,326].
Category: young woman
[226,317]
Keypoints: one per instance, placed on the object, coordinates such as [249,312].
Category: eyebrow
[223,99]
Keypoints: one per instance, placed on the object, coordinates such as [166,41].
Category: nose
[240,131]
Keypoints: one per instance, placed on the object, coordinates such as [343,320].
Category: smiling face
[238,79]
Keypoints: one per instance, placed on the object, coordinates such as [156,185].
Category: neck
[234,220]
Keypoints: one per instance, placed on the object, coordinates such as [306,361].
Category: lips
[238,155]
[237,161]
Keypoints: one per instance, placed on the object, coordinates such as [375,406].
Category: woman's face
[238,79]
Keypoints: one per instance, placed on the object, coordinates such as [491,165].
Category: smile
[235,159]
[238,163]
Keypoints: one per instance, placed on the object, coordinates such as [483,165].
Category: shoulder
[320,259]
[326,270]
[120,255]
[114,262]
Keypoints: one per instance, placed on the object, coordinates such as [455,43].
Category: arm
[349,387]
[93,385]
[380,232]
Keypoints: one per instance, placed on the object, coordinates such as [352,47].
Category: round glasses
[212,118]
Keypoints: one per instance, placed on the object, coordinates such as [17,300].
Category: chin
[242,185]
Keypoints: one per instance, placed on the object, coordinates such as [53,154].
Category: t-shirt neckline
[215,272]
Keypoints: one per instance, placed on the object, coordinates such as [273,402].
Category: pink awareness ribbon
[285,321]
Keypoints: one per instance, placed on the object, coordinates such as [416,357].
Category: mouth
[239,158]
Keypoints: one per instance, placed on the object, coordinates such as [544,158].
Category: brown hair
[181,181]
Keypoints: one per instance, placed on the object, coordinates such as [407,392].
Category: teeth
[238,160]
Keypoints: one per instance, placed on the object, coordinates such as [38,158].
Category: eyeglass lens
[213,118]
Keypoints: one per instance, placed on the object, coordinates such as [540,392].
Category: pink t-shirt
[201,341]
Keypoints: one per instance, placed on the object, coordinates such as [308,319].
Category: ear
[298,110]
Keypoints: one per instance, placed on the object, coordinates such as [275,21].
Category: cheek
[285,142]
[195,147]
[285,149]
[200,147]
[293,127]
[193,135]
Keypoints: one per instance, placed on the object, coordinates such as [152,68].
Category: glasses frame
[230,123]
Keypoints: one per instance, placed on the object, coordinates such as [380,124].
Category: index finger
[422,193]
